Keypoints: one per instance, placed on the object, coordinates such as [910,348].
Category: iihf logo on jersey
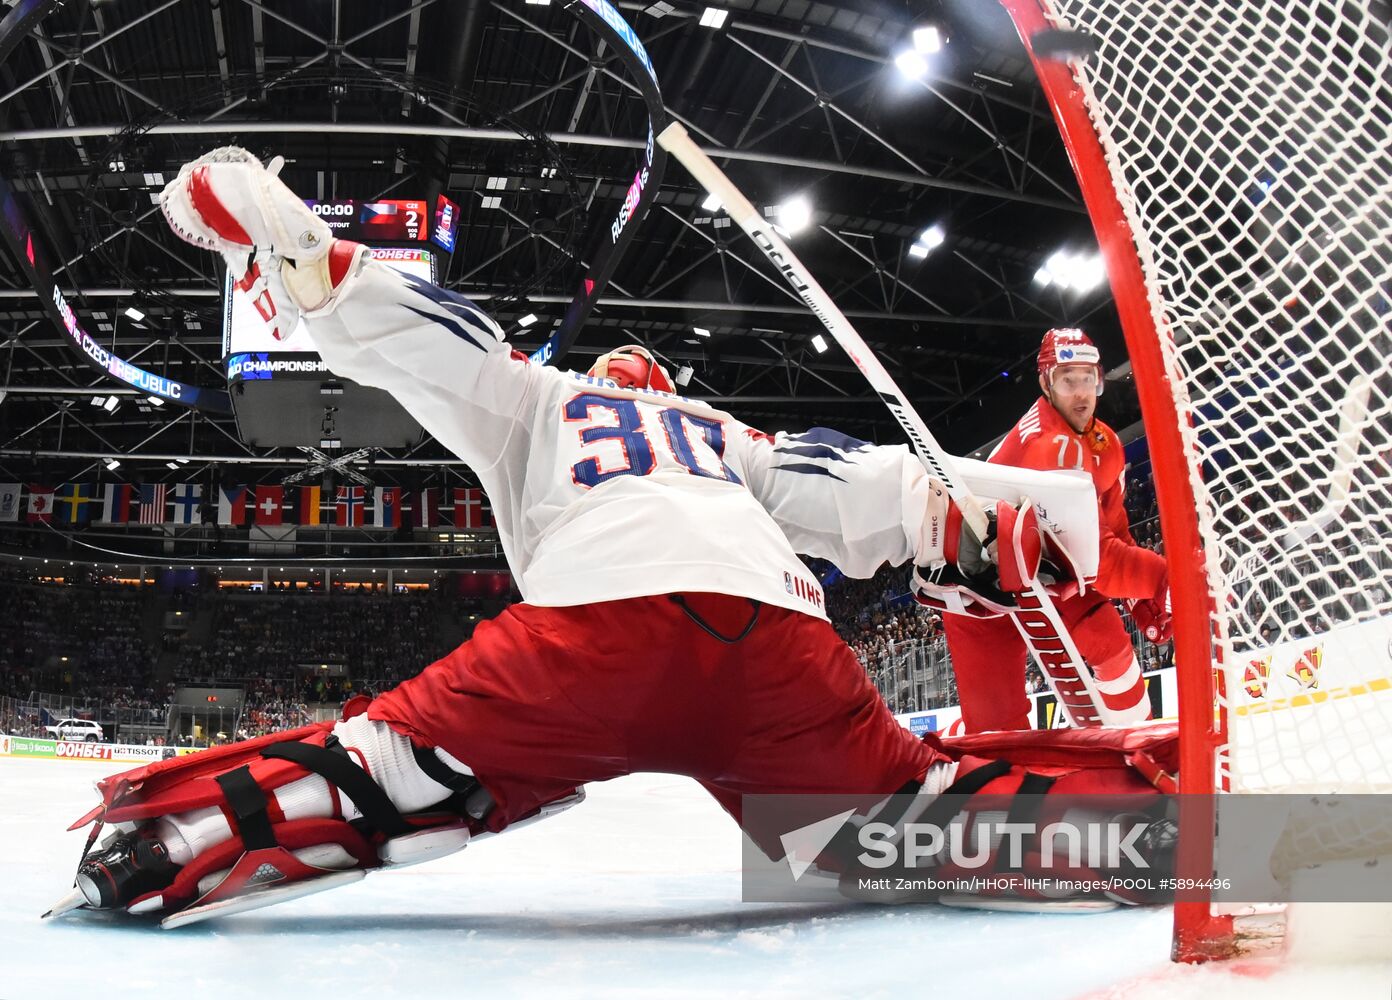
[805,589]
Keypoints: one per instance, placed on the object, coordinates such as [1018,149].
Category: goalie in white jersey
[667,622]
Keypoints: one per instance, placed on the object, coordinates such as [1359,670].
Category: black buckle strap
[338,769]
[248,804]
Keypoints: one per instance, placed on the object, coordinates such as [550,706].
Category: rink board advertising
[821,848]
[252,352]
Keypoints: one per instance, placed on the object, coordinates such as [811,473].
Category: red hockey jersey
[1044,440]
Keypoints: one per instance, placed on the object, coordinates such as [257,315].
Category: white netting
[1250,142]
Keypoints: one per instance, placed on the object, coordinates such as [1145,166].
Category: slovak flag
[386,509]
[270,505]
[348,511]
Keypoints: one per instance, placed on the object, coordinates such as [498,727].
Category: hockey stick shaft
[676,141]
[1040,626]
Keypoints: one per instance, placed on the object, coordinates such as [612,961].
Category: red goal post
[1236,161]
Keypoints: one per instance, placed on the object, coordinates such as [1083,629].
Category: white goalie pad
[1065,501]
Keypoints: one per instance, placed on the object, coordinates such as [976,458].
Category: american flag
[152,503]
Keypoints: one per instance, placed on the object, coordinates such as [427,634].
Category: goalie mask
[632,367]
[1068,347]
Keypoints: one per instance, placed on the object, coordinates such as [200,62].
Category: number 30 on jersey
[640,456]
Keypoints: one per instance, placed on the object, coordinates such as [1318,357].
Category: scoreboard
[390,221]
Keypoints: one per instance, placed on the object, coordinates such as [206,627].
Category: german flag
[309,505]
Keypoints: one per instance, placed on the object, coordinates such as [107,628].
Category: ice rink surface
[635,893]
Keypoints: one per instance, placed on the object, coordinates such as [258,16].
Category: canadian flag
[270,505]
[40,504]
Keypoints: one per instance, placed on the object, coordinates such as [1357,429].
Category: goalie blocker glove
[956,572]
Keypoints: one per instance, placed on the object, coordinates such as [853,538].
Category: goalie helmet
[1068,346]
[633,367]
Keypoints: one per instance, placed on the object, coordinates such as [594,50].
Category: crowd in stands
[294,652]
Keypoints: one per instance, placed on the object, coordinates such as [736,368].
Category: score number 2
[639,456]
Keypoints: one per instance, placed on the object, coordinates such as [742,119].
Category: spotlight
[711,203]
[794,215]
[927,40]
[112,465]
[819,342]
[911,64]
[527,320]
[135,314]
[700,331]
[713,17]
[111,404]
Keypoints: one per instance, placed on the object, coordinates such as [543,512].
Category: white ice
[635,893]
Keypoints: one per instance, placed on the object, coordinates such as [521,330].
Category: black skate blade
[260,898]
[74,900]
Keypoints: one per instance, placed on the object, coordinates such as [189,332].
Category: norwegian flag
[348,511]
[425,508]
[386,508]
[153,503]
[40,504]
[270,505]
[471,509]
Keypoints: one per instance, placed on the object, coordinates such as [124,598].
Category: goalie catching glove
[279,253]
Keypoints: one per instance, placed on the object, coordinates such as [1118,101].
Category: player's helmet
[633,367]
[1068,346]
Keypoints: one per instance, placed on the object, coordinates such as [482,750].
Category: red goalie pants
[988,657]
[542,700]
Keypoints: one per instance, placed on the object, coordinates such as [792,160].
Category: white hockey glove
[280,254]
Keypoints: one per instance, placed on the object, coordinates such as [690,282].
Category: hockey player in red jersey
[1061,431]
[666,623]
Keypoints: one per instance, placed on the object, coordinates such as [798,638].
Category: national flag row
[184,503]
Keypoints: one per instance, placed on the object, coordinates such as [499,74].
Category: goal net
[1236,158]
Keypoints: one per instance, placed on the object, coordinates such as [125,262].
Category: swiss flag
[270,505]
[471,509]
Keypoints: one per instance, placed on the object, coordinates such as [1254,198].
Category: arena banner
[25,746]
[1160,685]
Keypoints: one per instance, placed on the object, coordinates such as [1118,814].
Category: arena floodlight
[927,39]
[819,342]
[794,215]
[527,320]
[700,331]
[912,64]
[932,237]
[711,203]
[112,464]
[135,314]
[713,17]
[112,402]
[918,251]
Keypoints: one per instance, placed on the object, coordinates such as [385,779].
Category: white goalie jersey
[602,493]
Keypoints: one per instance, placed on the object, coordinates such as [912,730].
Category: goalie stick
[1039,622]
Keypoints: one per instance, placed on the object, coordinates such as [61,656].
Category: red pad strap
[953,536]
[189,782]
[341,253]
